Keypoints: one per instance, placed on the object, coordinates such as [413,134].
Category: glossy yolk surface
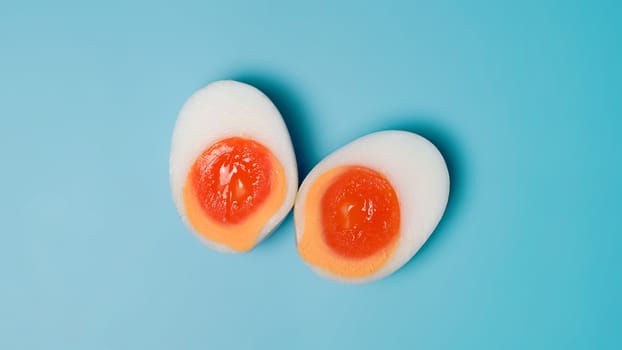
[232,189]
[231,179]
[360,213]
[351,221]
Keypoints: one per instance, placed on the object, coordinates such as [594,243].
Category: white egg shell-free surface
[225,109]
[419,175]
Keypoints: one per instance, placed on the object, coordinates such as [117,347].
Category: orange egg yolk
[360,213]
[232,189]
[232,178]
[351,221]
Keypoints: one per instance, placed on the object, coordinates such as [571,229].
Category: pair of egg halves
[360,214]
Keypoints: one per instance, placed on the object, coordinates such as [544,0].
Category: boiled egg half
[367,208]
[232,166]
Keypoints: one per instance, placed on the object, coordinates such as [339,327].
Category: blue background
[523,99]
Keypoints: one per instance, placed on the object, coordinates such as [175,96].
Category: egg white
[419,175]
[225,109]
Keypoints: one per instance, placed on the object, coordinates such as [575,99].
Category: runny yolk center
[360,213]
[232,178]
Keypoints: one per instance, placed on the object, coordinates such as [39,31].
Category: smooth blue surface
[524,99]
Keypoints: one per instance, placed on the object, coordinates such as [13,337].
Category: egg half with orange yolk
[367,208]
[232,166]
